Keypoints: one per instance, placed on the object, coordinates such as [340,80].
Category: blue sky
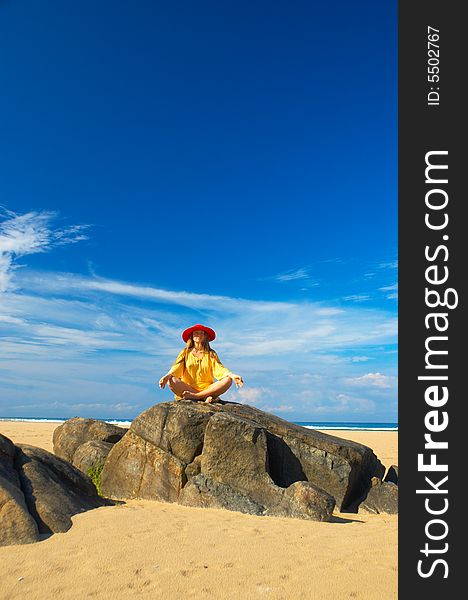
[170,163]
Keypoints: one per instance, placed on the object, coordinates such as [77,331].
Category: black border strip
[433,126]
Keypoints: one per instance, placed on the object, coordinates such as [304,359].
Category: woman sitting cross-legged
[192,376]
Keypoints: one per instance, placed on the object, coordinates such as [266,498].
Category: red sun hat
[210,332]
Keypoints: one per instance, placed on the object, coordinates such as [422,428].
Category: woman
[192,376]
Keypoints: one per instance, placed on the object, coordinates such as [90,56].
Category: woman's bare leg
[178,386]
[215,389]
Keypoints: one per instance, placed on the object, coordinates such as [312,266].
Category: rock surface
[71,435]
[204,492]
[136,468]
[7,457]
[91,455]
[39,493]
[382,498]
[237,457]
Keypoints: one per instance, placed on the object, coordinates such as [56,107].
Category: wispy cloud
[106,339]
[357,297]
[268,328]
[393,289]
[393,264]
[30,233]
[337,261]
[293,275]
[101,342]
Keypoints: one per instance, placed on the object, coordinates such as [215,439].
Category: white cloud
[374,379]
[250,395]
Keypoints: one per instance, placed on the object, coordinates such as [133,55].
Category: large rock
[69,436]
[39,493]
[341,467]
[16,524]
[382,498]
[233,455]
[54,489]
[304,500]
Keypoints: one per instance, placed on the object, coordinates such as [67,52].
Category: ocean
[330,425]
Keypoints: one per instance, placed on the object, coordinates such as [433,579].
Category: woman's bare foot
[211,399]
[189,395]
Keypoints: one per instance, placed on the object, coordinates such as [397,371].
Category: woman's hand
[164,380]
[237,380]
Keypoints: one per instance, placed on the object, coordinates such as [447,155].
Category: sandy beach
[166,551]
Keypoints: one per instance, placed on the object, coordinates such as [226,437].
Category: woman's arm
[177,370]
[220,371]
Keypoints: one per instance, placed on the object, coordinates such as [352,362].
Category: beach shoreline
[161,550]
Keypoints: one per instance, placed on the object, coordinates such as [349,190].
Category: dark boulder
[341,467]
[303,500]
[39,493]
[69,436]
[235,453]
[381,498]
[16,524]
[54,489]
[229,455]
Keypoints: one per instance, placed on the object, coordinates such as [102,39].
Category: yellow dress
[199,372]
